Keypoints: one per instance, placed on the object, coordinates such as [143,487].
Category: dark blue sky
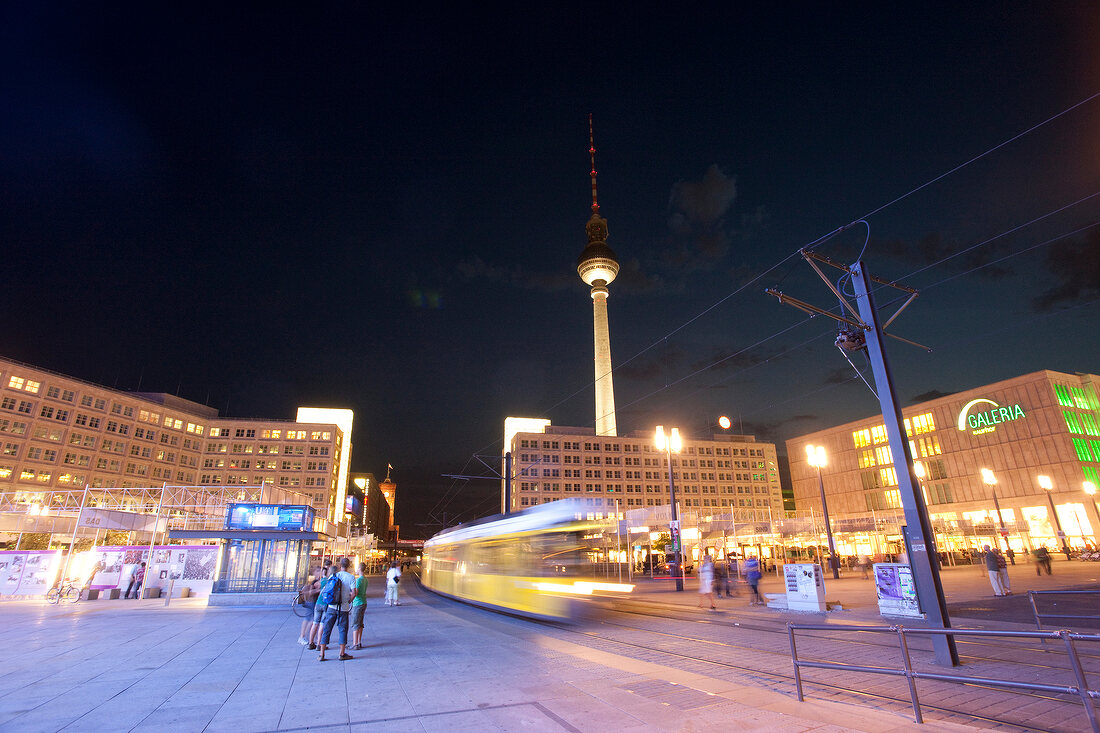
[382,210]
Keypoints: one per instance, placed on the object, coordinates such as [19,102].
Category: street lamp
[1090,489]
[1046,483]
[671,444]
[991,481]
[815,454]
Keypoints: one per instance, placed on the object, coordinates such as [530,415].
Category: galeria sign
[986,421]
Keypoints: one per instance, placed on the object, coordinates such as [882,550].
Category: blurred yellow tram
[537,562]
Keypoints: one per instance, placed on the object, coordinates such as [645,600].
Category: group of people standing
[338,601]
[715,579]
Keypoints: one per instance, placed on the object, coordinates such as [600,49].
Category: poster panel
[11,570]
[192,566]
[897,593]
[39,572]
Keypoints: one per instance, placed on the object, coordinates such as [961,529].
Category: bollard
[168,598]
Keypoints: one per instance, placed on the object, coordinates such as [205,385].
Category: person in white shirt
[393,575]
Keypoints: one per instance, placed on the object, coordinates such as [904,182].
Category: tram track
[773,678]
[901,705]
[916,644]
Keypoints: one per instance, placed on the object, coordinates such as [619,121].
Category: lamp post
[991,481]
[815,454]
[671,444]
[1090,489]
[1046,483]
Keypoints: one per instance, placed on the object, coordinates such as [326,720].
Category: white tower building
[597,267]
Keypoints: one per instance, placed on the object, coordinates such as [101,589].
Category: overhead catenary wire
[818,242]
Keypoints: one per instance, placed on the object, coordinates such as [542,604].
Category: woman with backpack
[336,595]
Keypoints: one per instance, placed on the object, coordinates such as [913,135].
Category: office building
[59,432]
[984,456]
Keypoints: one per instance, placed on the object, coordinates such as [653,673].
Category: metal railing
[1081,689]
[254,585]
[1031,594]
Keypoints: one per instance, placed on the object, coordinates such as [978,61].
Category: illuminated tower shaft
[605,388]
[597,267]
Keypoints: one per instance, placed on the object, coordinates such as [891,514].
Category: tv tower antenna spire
[592,156]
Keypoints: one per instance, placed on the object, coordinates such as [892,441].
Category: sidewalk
[429,666]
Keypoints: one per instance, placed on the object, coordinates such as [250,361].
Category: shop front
[264,552]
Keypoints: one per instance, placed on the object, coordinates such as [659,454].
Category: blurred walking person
[706,581]
[752,577]
[393,577]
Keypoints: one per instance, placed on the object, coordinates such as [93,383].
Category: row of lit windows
[916,425]
[1081,397]
[1087,422]
[246,463]
[636,448]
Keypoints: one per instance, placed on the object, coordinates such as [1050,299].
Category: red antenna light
[592,155]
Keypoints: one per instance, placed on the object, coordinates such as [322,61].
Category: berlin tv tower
[597,266]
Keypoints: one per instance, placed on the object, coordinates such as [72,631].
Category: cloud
[774,431]
[516,276]
[931,248]
[1076,265]
[699,232]
[931,394]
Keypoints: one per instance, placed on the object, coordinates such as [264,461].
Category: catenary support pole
[923,559]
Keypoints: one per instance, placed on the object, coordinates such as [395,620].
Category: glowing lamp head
[670,442]
[724,422]
[918,468]
[815,454]
[1090,488]
[989,479]
[1046,483]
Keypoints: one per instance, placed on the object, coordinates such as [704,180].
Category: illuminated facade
[729,474]
[376,514]
[57,432]
[1041,424]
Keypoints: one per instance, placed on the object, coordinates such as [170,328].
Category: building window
[1082,448]
[1071,422]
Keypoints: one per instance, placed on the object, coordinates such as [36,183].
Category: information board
[805,587]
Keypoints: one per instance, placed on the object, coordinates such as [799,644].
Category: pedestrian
[990,560]
[336,595]
[359,607]
[1002,571]
[1042,559]
[752,577]
[307,598]
[864,565]
[1011,555]
[721,579]
[393,577]
[706,581]
[314,636]
[137,577]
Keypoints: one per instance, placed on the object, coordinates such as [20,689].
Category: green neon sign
[986,421]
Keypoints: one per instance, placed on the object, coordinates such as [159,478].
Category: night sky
[337,205]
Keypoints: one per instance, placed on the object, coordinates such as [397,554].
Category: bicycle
[300,608]
[64,591]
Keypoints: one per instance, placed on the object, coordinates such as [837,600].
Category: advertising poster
[39,572]
[110,566]
[11,570]
[190,566]
[897,594]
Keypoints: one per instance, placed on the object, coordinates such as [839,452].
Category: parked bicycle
[64,591]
